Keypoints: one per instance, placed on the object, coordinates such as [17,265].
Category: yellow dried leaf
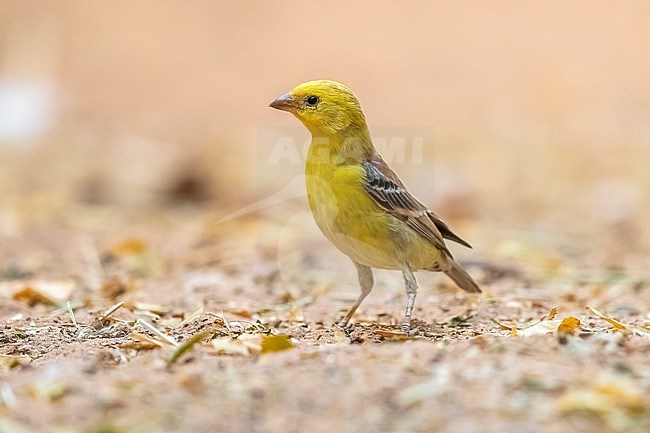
[615,323]
[552,314]
[569,325]
[275,343]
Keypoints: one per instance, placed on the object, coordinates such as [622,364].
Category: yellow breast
[355,224]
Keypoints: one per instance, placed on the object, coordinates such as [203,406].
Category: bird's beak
[284,103]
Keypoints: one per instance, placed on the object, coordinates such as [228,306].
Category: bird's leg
[411,290]
[365,281]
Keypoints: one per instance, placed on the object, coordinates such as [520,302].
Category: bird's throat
[340,149]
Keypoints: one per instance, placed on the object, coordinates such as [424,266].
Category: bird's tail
[461,278]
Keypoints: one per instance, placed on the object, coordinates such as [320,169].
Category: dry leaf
[551,325]
[276,343]
[541,328]
[569,325]
[615,323]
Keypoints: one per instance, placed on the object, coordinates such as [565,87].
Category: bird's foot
[406,329]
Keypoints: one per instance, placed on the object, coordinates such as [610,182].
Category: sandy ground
[472,366]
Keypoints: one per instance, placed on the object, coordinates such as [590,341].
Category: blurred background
[151,119]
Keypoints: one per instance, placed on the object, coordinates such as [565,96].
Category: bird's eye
[312,100]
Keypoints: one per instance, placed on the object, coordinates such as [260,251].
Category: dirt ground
[492,363]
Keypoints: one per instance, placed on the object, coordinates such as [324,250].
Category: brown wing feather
[446,231]
[390,193]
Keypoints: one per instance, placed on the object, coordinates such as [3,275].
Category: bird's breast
[355,224]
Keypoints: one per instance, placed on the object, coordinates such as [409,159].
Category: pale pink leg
[366,282]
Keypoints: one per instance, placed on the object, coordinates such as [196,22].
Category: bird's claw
[406,329]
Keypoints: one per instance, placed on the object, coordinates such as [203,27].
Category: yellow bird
[359,203]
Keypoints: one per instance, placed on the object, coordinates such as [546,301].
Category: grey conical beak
[284,103]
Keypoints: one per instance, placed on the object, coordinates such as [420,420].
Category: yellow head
[324,107]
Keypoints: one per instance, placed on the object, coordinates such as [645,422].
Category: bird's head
[324,107]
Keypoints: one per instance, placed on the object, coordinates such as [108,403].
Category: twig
[111,310]
[192,316]
[223,317]
[157,332]
[71,313]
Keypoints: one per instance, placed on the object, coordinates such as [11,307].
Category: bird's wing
[446,231]
[389,192]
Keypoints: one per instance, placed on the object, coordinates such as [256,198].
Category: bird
[360,204]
